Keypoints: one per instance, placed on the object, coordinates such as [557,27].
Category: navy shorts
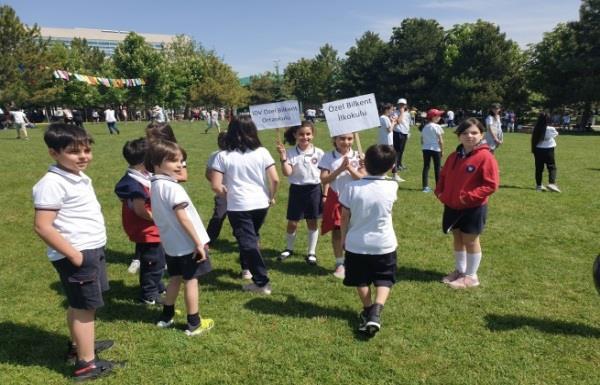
[85,284]
[364,269]
[469,221]
[187,266]
[304,202]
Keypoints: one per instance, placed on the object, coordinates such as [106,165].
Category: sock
[193,321]
[339,261]
[313,237]
[460,257]
[168,313]
[290,238]
[473,261]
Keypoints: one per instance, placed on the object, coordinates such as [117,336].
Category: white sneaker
[246,274]
[552,187]
[340,272]
[398,179]
[134,266]
[540,188]
[254,288]
[164,325]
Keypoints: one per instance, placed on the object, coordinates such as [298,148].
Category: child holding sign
[299,164]
[338,168]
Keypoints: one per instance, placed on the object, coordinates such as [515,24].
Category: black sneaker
[99,346]
[363,317]
[93,369]
[374,320]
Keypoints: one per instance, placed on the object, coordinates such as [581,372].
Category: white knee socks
[460,257]
[473,261]
[313,236]
[290,238]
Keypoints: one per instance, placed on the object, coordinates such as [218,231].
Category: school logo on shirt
[314,160]
[470,168]
[354,163]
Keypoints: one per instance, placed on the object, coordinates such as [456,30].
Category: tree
[263,88]
[300,82]
[481,67]
[219,86]
[326,69]
[361,72]
[414,60]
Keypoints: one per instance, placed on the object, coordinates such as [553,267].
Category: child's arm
[356,173]
[273,183]
[188,227]
[328,176]
[139,208]
[344,221]
[43,227]
[441,143]
[490,180]
[216,183]
[286,168]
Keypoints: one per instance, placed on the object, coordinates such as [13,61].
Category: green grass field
[534,320]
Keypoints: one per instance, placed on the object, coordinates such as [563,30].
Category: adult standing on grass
[20,120]
[400,136]
[111,120]
[246,174]
[468,178]
[542,147]
[493,124]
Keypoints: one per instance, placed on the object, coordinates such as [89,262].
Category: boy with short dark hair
[133,189]
[68,218]
[368,234]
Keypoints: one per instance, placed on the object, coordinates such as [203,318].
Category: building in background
[104,39]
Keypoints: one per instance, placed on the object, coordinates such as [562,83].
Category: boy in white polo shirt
[182,234]
[68,218]
[368,235]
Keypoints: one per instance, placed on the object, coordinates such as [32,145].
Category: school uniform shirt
[385,134]
[136,185]
[430,134]
[305,165]
[467,180]
[78,213]
[332,160]
[18,117]
[370,201]
[245,176]
[403,125]
[109,116]
[548,141]
[165,195]
[493,124]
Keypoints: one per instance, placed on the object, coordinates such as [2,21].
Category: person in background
[493,126]
[543,144]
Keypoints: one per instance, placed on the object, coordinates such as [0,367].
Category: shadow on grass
[497,322]
[223,246]
[31,346]
[113,256]
[292,307]
[516,187]
[413,274]
[296,267]
[593,169]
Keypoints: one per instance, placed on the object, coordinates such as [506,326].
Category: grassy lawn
[534,320]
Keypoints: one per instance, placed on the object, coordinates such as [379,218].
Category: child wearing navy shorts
[215,222]
[68,218]
[300,165]
[468,178]
[338,168]
[368,235]
[133,189]
[181,232]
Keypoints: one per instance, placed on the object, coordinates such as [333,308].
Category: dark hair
[492,107]
[59,136]
[539,130]
[134,151]
[162,131]
[161,150]
[221,140]
[288,135]
[242,135]
[383,107]
[462,127]
[379,159]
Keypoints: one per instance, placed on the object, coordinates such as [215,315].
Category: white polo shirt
[403,125]
[370,201]
[18,117]
[78,213]
[109,116]
[305,165]
[385,135]
[548,141]
[332,160]
[245,176]
[430,135]
[165,195]
[491,123]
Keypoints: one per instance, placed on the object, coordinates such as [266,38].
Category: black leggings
[428,155]
[544,156]
[399,145]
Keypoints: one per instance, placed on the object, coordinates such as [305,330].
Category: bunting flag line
[95,80]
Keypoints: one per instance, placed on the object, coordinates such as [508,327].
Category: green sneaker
[205,325]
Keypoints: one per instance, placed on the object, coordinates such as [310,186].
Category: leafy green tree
[264,88]
[361,72]
[326,69]
[300,82]
[414,61]
[481,66]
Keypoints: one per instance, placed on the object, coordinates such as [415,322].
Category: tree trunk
[586,118]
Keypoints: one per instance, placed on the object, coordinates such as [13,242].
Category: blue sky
[252,35]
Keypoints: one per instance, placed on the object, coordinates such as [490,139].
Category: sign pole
[278,135]
[358,145]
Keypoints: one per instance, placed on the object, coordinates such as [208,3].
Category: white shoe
[246,274]
[164,325]
[552,187]
[134,266]
[254,288]
[540,188]
[340,272]
[398,179]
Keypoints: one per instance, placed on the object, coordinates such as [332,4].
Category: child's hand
[281,151]
[200,254]
[78,261]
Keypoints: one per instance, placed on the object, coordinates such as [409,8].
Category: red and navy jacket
[139,230]
[467,180]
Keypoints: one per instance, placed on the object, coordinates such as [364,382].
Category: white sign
[351,115]
[276,115]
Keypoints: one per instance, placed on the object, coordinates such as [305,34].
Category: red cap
[433,113]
